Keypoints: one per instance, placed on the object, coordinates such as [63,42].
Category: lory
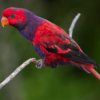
[52,43]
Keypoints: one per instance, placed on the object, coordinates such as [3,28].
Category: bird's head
[13,16]
[22,19]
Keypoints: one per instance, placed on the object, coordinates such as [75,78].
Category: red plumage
[53,44]
[50,36]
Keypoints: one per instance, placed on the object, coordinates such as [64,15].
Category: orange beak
[4,21]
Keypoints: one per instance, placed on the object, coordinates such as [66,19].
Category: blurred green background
[62,83]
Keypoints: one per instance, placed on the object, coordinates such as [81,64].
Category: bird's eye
[12,15]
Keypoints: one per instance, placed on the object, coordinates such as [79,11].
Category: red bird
[52,43]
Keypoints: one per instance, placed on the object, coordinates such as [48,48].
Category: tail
[90,69]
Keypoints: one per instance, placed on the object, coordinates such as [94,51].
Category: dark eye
[12,15]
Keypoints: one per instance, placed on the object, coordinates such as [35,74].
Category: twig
[73,24]
[12,75]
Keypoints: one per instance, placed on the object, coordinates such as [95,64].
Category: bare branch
[73,24]
[39,63]
[11,76]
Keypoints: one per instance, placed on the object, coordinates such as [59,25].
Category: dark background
[65,82]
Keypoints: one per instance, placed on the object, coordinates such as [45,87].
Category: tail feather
[85,69]
[91,70]
[95,73]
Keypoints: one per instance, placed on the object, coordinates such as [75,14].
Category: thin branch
[37,62]
[11,76]
[73,24]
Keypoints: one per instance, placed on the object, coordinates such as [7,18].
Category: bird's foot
[40,64]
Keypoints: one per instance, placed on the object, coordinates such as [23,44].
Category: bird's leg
[54,66]
[40,64]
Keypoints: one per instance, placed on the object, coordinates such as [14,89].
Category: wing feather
[56,40]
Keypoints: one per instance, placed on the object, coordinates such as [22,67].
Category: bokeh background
[62,83]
